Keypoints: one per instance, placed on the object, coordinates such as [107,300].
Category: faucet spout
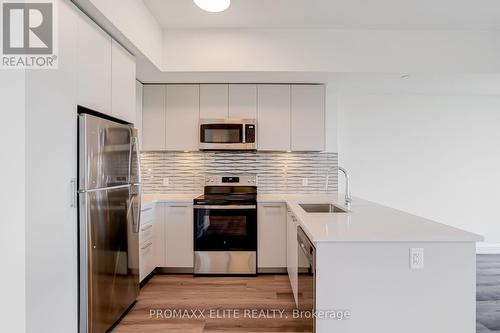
[348,197]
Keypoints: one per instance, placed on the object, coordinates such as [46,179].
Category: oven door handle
[224,206]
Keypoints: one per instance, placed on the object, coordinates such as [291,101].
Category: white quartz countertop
[366,222]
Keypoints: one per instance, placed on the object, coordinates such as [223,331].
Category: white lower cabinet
[179,235]
[292,253]
[147,241]
[271,219]
[159,235]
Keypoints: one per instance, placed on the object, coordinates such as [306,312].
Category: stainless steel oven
[228,134]
[225,227]
[307,277]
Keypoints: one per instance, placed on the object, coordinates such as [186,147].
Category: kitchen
[202,166]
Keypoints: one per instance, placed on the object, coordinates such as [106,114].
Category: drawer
[146,260]
[146,233]
[147,215]
[146,249]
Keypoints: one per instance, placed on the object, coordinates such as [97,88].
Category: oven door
[225,228]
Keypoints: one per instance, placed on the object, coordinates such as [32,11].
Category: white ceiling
[339,14]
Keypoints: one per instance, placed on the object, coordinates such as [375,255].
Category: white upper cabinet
[273,117]
[182,117]
[93,66]
[122,84]
[154,118]
[308,118]
[214,101]
[242,101]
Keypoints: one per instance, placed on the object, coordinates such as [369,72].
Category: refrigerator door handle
[136,191]
[135,149]
[136,210]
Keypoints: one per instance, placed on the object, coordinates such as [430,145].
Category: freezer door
[105,152]
[135,160]
[109,258]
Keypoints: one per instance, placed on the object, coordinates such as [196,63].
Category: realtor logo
[28,34]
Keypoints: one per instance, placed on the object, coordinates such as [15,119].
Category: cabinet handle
[272,206]
[148,245]
[178,206]
[146,228]
[146,209]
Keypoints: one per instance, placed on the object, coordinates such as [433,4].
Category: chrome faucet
[348,198]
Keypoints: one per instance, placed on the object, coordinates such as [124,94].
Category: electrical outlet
[416,258]
[166,181]
[305,181]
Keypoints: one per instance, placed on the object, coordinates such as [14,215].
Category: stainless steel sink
[322,208]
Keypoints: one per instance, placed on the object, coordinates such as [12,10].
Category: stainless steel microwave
[228,134]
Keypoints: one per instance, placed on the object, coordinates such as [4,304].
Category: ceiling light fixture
[213,6]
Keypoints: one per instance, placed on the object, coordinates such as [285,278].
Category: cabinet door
[159,235]
[272,235]
[93,66]
[292,254]
[146,259]
[122,83]
[308,117]
[153,118]
[273,117]
[182,117]
[214,101]
[179,235]
[138,111]
[243,101]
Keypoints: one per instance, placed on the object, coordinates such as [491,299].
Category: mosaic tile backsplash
[277,172]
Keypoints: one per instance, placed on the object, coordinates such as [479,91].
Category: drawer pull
[272,206]
[178,206]
[146,209]
[146,228]
[148,245]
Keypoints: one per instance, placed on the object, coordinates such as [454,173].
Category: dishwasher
[306,278]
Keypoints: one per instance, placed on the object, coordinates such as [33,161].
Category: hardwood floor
[488,293]
[221,304]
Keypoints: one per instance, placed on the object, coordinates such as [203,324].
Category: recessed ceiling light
[213,6]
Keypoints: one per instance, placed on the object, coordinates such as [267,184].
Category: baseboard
[487,248]
[189,270]
[271,270]
[174,270]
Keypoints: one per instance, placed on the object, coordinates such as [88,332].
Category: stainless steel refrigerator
[109,216]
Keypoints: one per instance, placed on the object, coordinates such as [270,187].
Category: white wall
[134,20]
[331,118]
[330,50]
[12,202]
[434,156]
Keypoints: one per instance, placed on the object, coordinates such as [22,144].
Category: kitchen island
[390,271]
[382,269]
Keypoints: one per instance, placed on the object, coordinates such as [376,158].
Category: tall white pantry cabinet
[84,76]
